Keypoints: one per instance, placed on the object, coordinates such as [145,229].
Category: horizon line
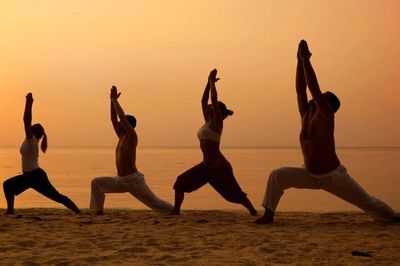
[189,147]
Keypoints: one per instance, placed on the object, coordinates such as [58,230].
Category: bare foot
[396,219]
[267,218]
[253,212]
[99,213]
[175,212]
[9,212]
[264,220]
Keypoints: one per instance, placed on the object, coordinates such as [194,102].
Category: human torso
[30,154]
[318,143]
[209,144]
[126,154]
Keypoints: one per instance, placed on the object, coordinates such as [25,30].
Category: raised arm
[301,87]
[114,118]
[28,116]
[120,112]
[214,100]
[204,99]
[312,82]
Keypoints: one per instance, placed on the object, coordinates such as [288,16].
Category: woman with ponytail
[33,176]
[215,168]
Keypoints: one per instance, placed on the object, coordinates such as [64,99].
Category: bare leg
[267,218]
[10,205]
[179,196]
[247,203]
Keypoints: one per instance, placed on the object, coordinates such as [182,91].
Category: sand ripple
[55,236]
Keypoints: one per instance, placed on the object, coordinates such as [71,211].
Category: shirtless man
[323,169]
[129,179]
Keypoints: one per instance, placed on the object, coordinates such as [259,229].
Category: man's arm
[28,116]
[120,112]
[312,82]
[301,87]
[114,118]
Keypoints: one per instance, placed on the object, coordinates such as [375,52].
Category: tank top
[30,153]
[206,133]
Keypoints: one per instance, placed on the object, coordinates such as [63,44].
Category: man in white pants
[129,179]
[323,169]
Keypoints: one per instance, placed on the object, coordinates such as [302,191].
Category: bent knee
[277,178]
[94,181]
[182,184]
[276,173]
[8,188]
[179,183]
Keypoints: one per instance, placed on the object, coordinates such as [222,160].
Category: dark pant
[36,179]
[219,176]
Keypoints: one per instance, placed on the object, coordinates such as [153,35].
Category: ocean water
[71,170]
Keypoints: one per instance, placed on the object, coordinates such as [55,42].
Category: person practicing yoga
[129,179]
[322,170]
[215,168]
[33,176]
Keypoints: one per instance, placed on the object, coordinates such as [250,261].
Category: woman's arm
[204,99]
[28,116]
[214,100]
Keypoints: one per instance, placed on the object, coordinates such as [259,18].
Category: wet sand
[56,236]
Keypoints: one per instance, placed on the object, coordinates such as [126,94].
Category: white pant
[133,183]
[337,182]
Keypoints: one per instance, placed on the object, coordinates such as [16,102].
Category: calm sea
[71,170]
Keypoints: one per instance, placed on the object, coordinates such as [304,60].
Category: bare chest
[316,127]
[126,146]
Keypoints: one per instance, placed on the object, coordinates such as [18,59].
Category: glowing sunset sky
[159,54]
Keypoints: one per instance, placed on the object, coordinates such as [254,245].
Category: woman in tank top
[215,168]
[32,175]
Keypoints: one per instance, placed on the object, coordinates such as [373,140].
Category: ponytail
[43,145]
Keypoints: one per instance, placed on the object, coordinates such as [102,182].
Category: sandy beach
[55,236]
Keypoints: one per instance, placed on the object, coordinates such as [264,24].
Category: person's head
[332,100]
[131,120]
[222,107]
[224,111]
[39,133]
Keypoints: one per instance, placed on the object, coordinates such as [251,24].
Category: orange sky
[159,53]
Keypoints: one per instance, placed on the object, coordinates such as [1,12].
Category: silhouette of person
[129,179]
[323,170]
[215,168]
[33,176]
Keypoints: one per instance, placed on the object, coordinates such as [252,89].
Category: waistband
[340,169]
[37,170]
[130,176]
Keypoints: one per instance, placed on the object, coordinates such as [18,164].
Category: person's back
[215,169]
[323,169]
[129,179]
[33,176]
[317,141]
[125,153]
